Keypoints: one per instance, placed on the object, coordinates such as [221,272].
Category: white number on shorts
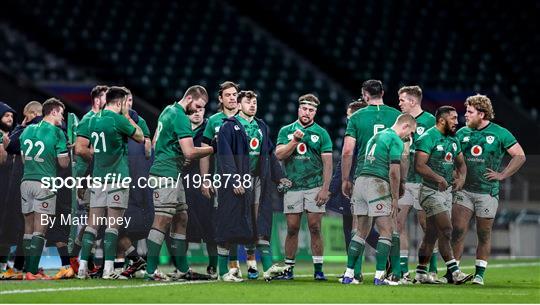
[97,137]
[31,145]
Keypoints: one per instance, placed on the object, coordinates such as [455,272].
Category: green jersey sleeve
[82,128]
[326,142]
[144,127]
[209,131]
[424,144]
[124,126]
[282,136]
[396,150]
[508,140]
[61,145]
[182,127]
[351,129]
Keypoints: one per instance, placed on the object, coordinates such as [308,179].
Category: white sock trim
[318,259]
[112,231]
[156,236]
[358,239]
[481,263]
[178,236]
[450,262]
[403,253]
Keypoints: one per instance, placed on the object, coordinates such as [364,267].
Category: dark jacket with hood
[234,219]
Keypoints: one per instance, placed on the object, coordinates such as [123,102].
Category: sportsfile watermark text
[114,181]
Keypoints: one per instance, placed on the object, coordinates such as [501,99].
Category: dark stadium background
[281,49]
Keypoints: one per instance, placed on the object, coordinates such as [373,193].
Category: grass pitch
[516,281]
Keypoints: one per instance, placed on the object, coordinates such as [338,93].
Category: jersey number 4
[99,137]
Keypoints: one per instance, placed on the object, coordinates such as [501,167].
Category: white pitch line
[100,287]
[83,288]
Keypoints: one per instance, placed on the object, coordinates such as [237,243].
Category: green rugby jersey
[41,145]
[255,137]
[214,123]
[442,151]
[81,166]
[108,133]
[366,122]
[424,121]
[144,127]
[173,125]
[484,148]
[304,166]
[383,149]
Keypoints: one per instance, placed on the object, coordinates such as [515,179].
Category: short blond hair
[415,91]
[33,106]
[481,103]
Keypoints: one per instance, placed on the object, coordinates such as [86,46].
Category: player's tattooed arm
[461,172]
[518,159]
[284,151]
[420,165]
[347,155]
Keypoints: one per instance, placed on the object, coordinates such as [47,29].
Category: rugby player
[362,125]
[43,145]
[244,212]
[378,189]
[484,144]
[173,144]
[108,131]
[438,152]
[306,151]
[410,101]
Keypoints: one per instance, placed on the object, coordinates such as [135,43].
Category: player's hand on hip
[442,184]
[322,197]
[239,190]
[493,175]
[346,188]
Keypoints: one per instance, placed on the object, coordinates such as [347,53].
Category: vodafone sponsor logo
[301,148]
[448,157]
[254,143]
[476,150]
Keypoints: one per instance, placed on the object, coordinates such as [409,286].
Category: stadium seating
[463,46]
[156,49]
